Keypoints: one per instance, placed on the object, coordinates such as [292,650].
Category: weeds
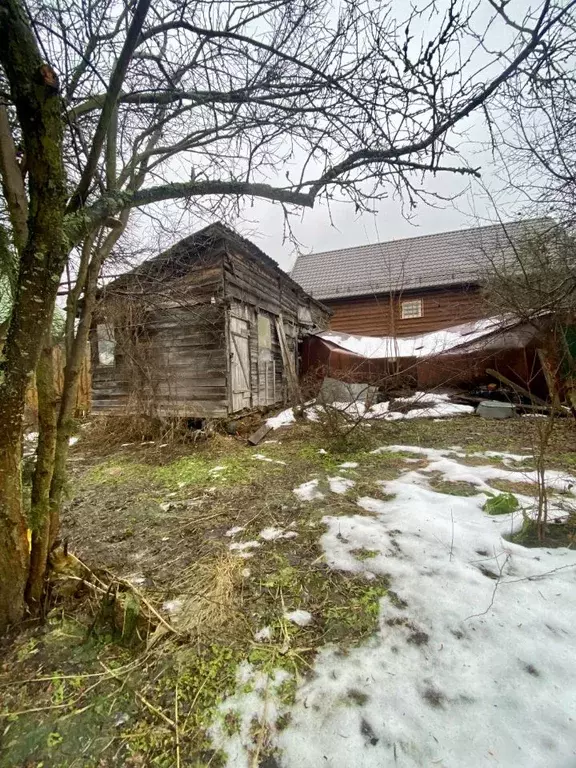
[501,504]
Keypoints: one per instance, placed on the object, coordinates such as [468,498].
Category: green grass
[453,487]
[94,721]
[501,504]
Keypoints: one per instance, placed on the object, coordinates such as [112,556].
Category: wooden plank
[288,362]
[516,387]
[259,435]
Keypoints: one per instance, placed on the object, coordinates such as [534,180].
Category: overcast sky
[322,229]
[466,203]
[340,227]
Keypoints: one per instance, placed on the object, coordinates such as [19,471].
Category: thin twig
[177,731]
[145,701]
[496,585]
[149,605]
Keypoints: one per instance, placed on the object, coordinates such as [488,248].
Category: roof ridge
[429,234]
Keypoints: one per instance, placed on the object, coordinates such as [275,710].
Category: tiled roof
[449,258]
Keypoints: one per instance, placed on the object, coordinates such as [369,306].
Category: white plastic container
[493,409]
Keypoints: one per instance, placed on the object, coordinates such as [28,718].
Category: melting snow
[426,345]
[257,699]
[471,665]
[271,534]
[434,405]
[261,457]
[234,531]
[241,546]
[348,465]
[300,617]
[282,419]
[172,606]
[340,484]
[308,491]
[263,634]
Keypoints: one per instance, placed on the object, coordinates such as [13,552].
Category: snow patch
[172,606]
[425,345]
[233,531]
[308,491]
[241,546]
[271,534]
[256,700]
[299,617]
[261,457]
[340,484]
[479,638]
[282,419]
[263,634]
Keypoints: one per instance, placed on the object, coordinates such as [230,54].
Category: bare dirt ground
[218,546]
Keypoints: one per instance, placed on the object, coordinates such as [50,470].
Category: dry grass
[210,590]
[104,432]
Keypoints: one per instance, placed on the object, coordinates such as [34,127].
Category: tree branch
[108,108]
[13,183]
[80,223]
[381,155]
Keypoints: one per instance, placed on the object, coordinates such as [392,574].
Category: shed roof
[190,249]
[448,258]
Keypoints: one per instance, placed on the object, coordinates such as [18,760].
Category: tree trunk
[34,90]
[40,502]
[76,353]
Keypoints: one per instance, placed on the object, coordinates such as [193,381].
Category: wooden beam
[260,433]
[517,387]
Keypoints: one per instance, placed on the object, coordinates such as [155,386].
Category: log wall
[381,315]
[174,340]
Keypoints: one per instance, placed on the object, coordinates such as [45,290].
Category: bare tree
[294,101]
[533,280]
[533,125]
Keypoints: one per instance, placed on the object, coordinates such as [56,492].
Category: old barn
[208,328]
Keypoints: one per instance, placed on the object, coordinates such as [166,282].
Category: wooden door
[240,364]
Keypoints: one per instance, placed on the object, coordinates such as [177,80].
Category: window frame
[420,310]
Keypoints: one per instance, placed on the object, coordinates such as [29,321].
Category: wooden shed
[206,329]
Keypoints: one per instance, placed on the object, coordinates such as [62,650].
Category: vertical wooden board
[240,360]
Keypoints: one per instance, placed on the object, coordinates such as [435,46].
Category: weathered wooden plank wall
[171,360]
[175,328]
[271,295]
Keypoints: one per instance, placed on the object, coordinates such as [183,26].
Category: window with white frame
[410,309]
